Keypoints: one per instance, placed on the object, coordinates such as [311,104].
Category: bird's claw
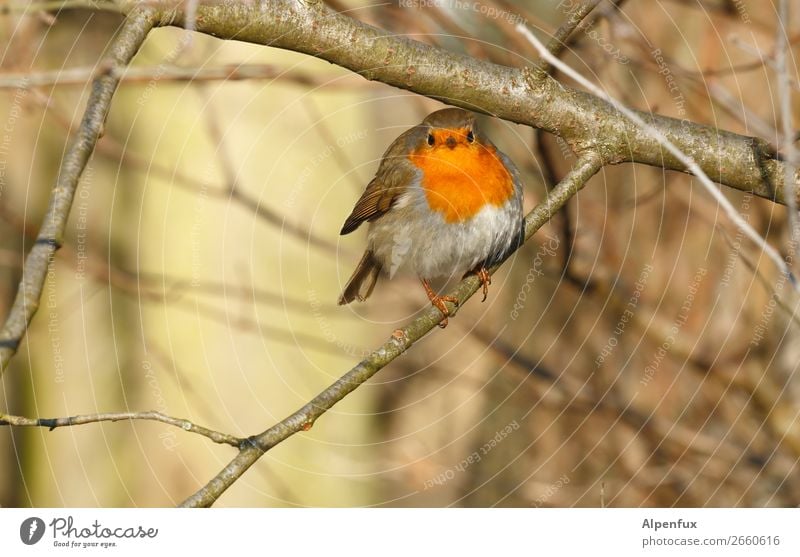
[439,303]
[486,280]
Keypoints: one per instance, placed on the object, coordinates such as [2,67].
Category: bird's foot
[439,302]
[486,280]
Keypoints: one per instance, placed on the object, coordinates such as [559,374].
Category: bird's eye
[470,136]
[431,139]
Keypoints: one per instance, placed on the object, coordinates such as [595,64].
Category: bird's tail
[363,280]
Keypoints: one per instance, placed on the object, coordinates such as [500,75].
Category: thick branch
[583,120]
[50,237]
[401,340]
[186,425]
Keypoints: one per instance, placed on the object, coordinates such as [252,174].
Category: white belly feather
[412,238]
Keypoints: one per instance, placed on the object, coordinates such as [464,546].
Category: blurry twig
[144,74]
[155,286]
[783,66]
[791,313]
[186,425]
[56,5]
[592,20]
[26,302]
[111,147]
[736,108]
[563,37]
[763,57]
[345,164]
[559,41]
[234,190]
[556,46]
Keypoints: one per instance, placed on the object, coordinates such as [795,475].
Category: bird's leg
[483,276]
[438,302]
[486,280]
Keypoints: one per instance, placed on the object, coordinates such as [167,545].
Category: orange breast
[459,181]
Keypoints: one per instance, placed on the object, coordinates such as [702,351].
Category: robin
[444,202]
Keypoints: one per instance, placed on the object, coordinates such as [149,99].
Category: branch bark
[125,45]
[518,95]
[186,425]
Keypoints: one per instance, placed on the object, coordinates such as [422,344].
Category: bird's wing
[394,176]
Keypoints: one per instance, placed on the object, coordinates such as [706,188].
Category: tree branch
[51,234]
[586,122]
[690,164]
[186,425]
[401,340]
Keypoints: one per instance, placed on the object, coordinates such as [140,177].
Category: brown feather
[393,177]
[363,280]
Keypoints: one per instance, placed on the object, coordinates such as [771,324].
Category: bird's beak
[451,141]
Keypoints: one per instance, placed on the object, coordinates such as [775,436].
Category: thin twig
[770,289]
[787,130]
[143,74]
[558,43]
[235,192]
[581,118]
[556,46]
[685,159]
[401,340]
[82,419]
[111,148]
[51,235]
[565,36]
[25,8]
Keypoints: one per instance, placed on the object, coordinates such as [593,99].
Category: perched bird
[445,201]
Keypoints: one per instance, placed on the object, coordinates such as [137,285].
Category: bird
[444,202]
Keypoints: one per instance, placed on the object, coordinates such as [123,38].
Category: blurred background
[639,351]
